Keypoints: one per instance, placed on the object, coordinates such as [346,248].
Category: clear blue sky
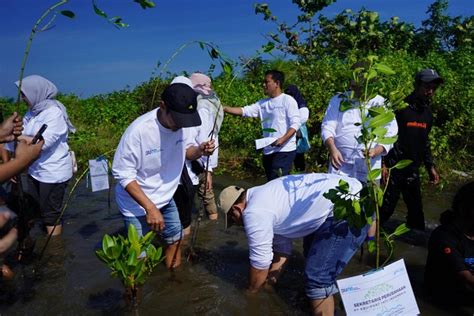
[88,56]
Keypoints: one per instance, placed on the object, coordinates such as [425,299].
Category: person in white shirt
[280,113]
[49,175]
[212,114]
[293,207]
[148,164]
[339,130]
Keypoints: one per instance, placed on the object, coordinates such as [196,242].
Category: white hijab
[41,93]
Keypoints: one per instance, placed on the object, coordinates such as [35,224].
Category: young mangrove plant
[366,78]
[131,259]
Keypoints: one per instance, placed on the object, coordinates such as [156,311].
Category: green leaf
[116,251]
[345,105]
[98,11]
[379,131]
[145,3]
[339,211]
[376,111]
[384,69]
[148,238]
[68,13]
[227,67]
[379,195]
[373,174]
[400,230]
[343,186]
[332,195]
[102,256]
[268,47]
[371,75]
[132,259]
[402,164]
[269,130]
[117,21]
[158,254]
[387,140]
[371,246]
[107,244]
[132,234]
[214,53]
[201,44]
[356,206]
[381,120]
[133,239]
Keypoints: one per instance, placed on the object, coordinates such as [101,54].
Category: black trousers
[300,164]
[278,164]
[407,183]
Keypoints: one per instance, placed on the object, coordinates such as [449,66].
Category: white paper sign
[264,142]
[98,170]
[382,293]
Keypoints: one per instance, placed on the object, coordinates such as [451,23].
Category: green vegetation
[323,53]
[130,258]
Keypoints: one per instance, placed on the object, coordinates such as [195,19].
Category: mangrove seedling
[363,211]
[131,259]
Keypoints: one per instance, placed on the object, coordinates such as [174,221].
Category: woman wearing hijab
[48,176]
[212,114]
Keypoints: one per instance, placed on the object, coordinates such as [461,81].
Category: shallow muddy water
[70,280]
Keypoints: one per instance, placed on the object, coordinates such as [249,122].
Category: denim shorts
[330,249]
[173,229]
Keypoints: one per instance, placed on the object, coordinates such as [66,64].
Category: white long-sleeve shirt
[286,208]
[304,115]
[153,156]
[54,165]
[280,113]
[341,127]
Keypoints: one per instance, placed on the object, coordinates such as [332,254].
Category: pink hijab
[201,83]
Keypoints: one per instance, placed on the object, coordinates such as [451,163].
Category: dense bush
[101,120]
[323,51]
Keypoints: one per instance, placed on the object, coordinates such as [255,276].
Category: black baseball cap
[428,75]
[181,101]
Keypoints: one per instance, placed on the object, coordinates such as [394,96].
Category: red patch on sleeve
[447,250]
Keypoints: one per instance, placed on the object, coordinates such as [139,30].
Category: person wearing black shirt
[449,271]
[414,125]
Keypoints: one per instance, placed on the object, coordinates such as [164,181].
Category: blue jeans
[173,228]
[327,252]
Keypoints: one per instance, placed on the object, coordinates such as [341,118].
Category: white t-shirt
[54,165]
[280,113]
[341,126]
[286,208]
[153,156]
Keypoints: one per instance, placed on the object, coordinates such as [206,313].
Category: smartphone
[39,135]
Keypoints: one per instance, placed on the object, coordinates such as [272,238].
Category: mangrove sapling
[131,259]
[213,52]
[362,211]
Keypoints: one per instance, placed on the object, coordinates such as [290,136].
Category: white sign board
[99,172]
[381,293]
